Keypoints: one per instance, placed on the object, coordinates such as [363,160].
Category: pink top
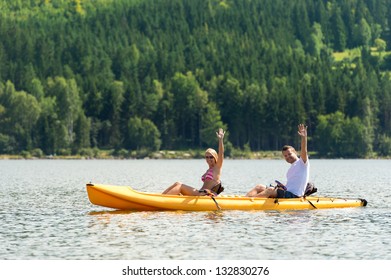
[208,175]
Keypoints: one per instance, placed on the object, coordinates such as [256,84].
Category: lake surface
[45,213]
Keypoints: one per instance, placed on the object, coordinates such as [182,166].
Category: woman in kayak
[211,178]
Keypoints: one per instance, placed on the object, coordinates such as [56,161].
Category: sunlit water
[45,213]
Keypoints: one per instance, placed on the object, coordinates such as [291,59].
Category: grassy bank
[143,154]
[164,154]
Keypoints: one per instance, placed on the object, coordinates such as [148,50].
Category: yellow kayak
[126,198]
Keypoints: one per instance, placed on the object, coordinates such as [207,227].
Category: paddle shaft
[212,197]
[218,206]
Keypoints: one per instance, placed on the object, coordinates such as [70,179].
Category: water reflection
[111,212]
[215,216]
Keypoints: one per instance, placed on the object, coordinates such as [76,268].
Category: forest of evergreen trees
[165,74]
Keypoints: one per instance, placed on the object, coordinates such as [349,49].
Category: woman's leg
[173,189]
[179,188]
[187,190]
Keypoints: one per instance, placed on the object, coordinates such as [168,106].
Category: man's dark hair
[286,147]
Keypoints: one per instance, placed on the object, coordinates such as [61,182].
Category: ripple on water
[46,214]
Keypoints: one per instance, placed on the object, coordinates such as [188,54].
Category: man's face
[290,155]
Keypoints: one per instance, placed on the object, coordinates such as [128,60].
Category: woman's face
[209,158]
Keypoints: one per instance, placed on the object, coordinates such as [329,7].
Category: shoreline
[155,156]
[167,154]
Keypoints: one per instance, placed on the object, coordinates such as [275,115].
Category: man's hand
[302,130]
[303,134]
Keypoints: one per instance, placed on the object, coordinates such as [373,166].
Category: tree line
[145,75]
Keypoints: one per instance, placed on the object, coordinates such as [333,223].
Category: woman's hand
[220,134]
[207,192]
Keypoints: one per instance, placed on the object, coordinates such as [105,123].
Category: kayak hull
[126,198]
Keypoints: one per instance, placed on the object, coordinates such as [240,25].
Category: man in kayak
[297,175]
[211,178]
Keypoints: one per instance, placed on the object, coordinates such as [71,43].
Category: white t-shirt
[297,177]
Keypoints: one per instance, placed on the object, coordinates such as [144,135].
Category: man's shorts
[285,194]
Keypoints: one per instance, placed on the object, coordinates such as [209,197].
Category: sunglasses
[209,157]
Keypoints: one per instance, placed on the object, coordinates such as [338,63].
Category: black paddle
[211,195]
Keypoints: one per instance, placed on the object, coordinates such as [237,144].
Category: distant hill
[165,74]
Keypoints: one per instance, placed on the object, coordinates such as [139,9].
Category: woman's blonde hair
[213,153]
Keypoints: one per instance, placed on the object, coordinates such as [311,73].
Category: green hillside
[149,75]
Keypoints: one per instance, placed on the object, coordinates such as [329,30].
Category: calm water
[45,213]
